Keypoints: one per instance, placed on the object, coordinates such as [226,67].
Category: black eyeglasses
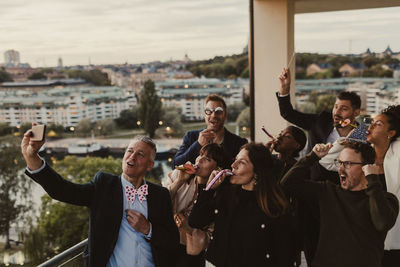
[346,164]
[217,111]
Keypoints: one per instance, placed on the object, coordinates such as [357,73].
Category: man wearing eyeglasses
[215,114]
[323,127]
[355,215]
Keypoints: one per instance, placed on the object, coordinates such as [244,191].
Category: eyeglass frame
[346,164]
[217,111]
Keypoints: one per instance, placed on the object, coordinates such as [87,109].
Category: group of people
[235,203]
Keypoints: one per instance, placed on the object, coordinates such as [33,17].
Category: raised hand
[206,136]
[219,181]
[321,150]
[30,149]
[270,145]
[372,169]
[284,78]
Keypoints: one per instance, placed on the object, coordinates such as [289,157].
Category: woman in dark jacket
[251,224]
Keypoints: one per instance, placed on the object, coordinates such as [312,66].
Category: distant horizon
[158,60]
[137,32]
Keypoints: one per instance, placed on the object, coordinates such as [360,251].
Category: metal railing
[74,251]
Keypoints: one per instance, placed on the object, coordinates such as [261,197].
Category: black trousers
[185,260]
[391,258]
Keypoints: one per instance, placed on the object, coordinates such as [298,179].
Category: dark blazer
[190,148]
[319,126]
[263,241]
[103,196]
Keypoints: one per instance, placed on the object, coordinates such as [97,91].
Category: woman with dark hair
[251,224]
[183,188]
[383,134]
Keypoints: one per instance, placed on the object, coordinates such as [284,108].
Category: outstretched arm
[295,181]
[384,207]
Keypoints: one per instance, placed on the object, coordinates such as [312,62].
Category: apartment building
[65,106]
[189,94]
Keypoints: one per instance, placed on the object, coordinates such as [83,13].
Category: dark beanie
[299,136]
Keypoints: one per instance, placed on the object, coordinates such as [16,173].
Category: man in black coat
[324,127]
[215,114]
[131,222]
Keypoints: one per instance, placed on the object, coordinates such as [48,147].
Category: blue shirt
[133,248]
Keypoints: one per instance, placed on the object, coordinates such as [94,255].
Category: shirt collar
[125,182]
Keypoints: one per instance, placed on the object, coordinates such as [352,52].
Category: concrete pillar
[273,48]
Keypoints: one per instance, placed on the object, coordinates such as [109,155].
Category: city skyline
[139,32]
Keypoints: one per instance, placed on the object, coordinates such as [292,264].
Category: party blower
[267,133]
[344,123]
[188,168]
[228,172]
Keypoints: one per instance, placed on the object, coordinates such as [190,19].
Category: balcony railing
[66,256]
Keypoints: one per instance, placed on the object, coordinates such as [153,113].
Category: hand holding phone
[38,132]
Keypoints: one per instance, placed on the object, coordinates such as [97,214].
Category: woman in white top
[383,133]
[183,188]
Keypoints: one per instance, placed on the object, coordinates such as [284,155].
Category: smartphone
[38,132]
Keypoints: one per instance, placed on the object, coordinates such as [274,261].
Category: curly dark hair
[393,115]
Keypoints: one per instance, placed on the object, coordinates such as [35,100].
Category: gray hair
[148,141]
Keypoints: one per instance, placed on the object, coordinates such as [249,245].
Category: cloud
[141,30]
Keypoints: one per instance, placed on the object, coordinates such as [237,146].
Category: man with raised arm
[131,222]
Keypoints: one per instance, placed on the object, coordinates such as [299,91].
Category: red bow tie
[141,192]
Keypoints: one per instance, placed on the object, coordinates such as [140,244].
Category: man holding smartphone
[131,222]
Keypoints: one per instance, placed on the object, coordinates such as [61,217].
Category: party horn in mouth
[266,132]
[346,122]
[188,168]
[228,172]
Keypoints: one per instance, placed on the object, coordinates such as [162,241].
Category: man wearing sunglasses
[215,114]
[355,215]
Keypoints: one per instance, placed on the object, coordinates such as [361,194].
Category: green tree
[234,110]
[57,128]
[244,118]
[105,127]
[24,127]
[5,76]
[307,107]
[84,127]
[37,76]
[15,198]
[325,103]
[61,225]
[369,61]
[95,77]
[172,118]
[5,129]
[149,108]
[127,119]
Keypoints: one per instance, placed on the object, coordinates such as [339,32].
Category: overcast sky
[137,31]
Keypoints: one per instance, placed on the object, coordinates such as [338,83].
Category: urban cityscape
[92,110]
[65,97]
